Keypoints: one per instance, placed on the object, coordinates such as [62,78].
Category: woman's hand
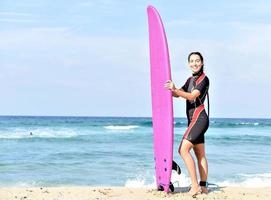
[170,85]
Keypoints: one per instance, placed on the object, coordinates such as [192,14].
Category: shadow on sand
[211,188]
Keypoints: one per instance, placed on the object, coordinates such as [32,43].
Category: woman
[194,91]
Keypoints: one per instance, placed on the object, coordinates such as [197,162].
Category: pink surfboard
[162,105]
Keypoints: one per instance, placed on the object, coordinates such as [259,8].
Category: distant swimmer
[30,133]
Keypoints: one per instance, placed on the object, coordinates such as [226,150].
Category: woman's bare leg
[184,151]
[199,150]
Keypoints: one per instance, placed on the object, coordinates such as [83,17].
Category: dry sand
[123,193]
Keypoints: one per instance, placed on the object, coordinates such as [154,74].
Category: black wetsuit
[198,120]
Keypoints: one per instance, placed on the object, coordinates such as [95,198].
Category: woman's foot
[194,191]
[204,186]
[204,190]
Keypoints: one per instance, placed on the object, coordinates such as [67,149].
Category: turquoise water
[106,151]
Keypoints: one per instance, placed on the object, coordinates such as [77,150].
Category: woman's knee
[199,151]
[202,159]
[184,149]
[200,155]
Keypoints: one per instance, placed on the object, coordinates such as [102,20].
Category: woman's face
[195,63]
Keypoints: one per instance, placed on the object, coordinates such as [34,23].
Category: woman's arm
[186,95]
[174,94]
[180,93]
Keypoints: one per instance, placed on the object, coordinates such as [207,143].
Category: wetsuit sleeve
[185,86]
[203,85]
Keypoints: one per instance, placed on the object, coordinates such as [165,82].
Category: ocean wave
[213,124]
[119,123]
[139,183]
[21,184]
[256,138]
[38,133]
[239,124]
[249,180]
[181,180]
[114,127]
[218,123]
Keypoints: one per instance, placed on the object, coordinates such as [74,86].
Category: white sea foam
[129,127]
[139,183]
[37,133]
[181,180]
[249,180]
[248,123]
[20,184]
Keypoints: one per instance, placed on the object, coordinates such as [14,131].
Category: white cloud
[16,17]
[55,58]
[17,20]
[15,14]
[179,22]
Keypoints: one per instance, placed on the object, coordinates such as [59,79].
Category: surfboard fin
[160,188]
[171,187]
[176,167]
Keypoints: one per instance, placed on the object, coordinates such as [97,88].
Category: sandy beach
[122,193]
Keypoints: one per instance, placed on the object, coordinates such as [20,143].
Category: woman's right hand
[170,85]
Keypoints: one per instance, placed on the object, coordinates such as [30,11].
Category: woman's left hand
[170,85]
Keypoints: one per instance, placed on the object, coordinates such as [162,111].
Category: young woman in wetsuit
[194,91]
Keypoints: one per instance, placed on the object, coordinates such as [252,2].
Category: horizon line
[115,116]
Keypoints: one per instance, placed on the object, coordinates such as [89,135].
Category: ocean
[118,151]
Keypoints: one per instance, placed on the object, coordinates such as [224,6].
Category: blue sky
[91,58]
